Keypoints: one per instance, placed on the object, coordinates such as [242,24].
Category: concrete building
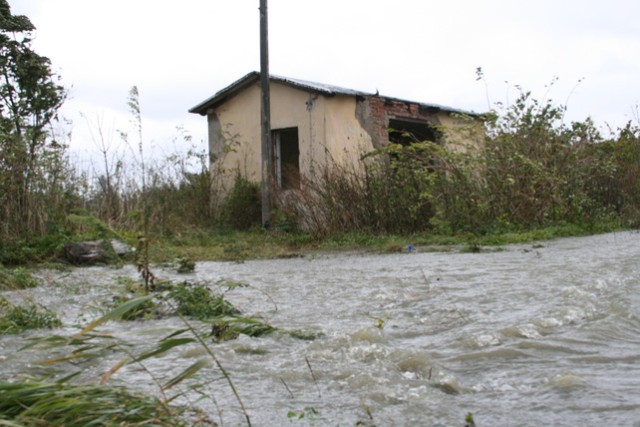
[314,125]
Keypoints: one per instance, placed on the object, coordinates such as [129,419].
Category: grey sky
[179,53]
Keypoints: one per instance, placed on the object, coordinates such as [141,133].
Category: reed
[61,404]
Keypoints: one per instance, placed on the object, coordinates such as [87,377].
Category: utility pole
[265,113]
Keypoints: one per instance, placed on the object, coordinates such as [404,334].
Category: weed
[241,208]
[144,311]
[194,300]
[184,265]
[229,328]
[468,419]
[59,404]
[381,321]
[15,318]
[472,247]
[308,413]
[17,278]
[305,335]
[197,301]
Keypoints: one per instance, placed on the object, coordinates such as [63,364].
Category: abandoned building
[314,124]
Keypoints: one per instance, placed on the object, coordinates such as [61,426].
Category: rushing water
[527,336]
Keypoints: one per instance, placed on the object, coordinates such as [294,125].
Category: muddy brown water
[545,334]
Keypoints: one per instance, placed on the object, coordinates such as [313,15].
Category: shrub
[532,170]
[241,209]
[379,197]
[198,302]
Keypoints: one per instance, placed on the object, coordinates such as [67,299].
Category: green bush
[198,302]
[532,170]
[241,209]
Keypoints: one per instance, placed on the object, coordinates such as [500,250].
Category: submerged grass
[190,300]
[198,302]
[229,328]
[17,318]
[62,404]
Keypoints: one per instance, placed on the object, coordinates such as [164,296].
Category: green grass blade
[187,373]
[114,314]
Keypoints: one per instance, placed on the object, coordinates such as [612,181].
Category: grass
[270,244]
[17,318]
[189,300]
[181,250]
[17,278]
[59,404]
[230,328]
[198,302]
[228,246]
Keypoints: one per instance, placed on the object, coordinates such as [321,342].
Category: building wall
[232,127]
[327,129]
[375,112]
[331,129]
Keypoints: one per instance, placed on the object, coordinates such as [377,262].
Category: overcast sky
[180,52]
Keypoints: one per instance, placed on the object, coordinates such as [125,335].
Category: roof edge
[241,83]
[328,90]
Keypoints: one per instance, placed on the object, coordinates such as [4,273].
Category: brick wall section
[375,112]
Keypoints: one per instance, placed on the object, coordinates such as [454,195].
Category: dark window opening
[407,132]
[286,153]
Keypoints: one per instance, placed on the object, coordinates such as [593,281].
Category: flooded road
[531,335]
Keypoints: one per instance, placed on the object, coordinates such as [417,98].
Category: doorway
[286,153]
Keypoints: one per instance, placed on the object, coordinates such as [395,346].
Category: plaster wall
[328,130]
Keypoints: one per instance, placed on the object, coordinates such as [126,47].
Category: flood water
[532,335]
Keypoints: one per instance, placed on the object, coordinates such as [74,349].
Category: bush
[241,209]
[531,171]
[198,302]
[379,197]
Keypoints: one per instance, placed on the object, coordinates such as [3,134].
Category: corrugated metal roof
[325,89]
[319,87]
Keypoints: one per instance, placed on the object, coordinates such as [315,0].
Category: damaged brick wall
[374,112]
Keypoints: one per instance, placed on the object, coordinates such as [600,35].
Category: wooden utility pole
[265,114]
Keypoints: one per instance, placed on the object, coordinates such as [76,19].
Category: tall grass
[61,404]
[531,170]
[379,197]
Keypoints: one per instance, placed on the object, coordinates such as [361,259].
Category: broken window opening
[406,132]
[286,153]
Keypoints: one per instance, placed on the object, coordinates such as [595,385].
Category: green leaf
[187,373]
[114,314]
